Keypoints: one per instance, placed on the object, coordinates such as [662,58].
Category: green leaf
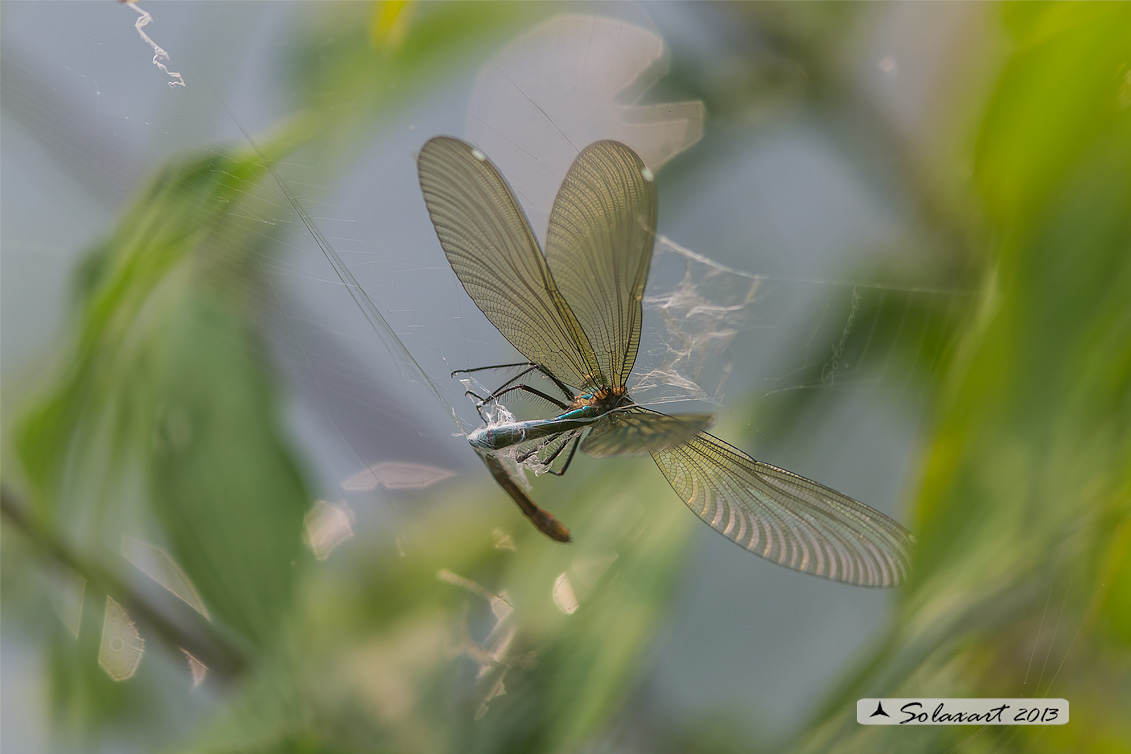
[165,389]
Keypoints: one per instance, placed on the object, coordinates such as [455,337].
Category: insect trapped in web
[574,311]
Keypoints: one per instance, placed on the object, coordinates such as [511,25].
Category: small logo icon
[879,710]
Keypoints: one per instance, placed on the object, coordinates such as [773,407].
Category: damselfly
[574,312]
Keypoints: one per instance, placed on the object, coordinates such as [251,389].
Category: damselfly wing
[574,312]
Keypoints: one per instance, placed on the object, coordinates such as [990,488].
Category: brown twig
[188,632]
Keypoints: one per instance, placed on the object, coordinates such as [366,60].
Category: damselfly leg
[570,439]
[509,386]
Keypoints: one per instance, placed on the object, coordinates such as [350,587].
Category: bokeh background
[238,515]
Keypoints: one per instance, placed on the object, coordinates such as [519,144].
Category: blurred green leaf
[163,376]
[1059,94]
[1025,496]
